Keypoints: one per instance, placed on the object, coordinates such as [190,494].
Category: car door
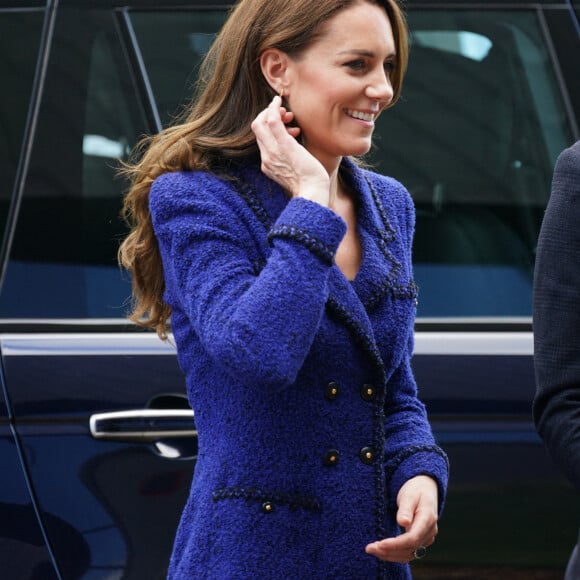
[96,418]
[23,548]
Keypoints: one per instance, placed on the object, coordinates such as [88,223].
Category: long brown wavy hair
[230,92]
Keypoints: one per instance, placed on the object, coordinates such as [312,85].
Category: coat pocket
[267,500]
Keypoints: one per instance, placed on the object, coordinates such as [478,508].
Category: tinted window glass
[172,66]
[19,42]
[474,138]
[63,260]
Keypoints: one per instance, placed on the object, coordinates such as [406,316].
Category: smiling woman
[490,97]
[338,86]
[286,271]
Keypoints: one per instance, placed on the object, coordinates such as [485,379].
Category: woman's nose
[381,88]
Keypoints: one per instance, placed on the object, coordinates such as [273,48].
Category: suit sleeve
[556,316]
[259,326]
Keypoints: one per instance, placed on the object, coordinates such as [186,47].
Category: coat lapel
[345,307]
[350,303]
[381,276]
[379,270]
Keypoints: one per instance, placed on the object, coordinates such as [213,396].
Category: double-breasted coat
[300,380]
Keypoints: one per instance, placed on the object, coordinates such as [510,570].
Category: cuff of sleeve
[311,224]
[428,460]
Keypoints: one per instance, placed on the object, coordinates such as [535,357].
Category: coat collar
[350,302]
[379,269]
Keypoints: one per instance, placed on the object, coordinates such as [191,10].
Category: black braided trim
[360,335]
[398,291]
[258,266]
[385,237]
[254,203]
[378,469]
[313,244]
[409,291]
[388,234]
[293,500]
[392,465]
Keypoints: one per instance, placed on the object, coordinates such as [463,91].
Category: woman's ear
[274,64]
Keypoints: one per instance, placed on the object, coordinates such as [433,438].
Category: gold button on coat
[267,507]
[331,457]
[331,391]
[367,455]
[368,393]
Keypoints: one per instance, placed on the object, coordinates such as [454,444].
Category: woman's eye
[389,67]
[356,64]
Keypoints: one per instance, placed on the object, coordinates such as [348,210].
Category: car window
[172,66]
[63,258]
[19,42]
[474,138]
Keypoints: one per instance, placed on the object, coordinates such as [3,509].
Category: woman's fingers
[402,549]
[417,514]
[284,159]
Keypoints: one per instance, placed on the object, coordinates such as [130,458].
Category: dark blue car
[97,441]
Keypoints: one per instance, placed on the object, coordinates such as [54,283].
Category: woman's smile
[361,115]
[339,84]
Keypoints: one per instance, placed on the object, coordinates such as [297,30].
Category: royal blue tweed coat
[300,380]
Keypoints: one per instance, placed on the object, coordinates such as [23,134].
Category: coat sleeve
[259,326]
[556,316]
[410,448]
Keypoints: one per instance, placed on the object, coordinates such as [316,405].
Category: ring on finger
[419,552]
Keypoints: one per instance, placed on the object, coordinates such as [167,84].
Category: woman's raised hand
[284,159]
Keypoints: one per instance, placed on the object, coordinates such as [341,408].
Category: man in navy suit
[557,325]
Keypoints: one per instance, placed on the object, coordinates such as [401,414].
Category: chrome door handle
[143,425]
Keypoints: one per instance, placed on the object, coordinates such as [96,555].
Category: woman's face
[338,86]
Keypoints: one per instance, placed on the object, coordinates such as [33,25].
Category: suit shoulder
[569,159]
[176,183]
[180,189]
